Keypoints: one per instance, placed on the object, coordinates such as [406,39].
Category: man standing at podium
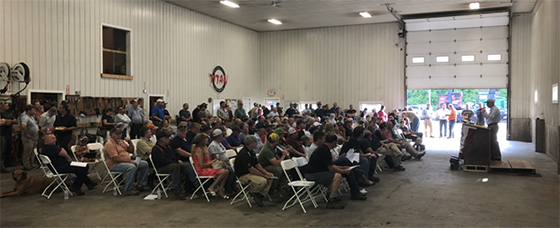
[493,119]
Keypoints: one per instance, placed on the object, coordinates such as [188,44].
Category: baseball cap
[316,124]
[204,128]
[162,134]
[250,139]
[152,126]
[159,100]
[292,131]
[273,137]
[279,131]
[217,132]
[182,125]
[259,126]
[489,101]
[236,129]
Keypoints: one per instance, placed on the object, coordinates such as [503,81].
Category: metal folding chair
[244,189]
[159,176]
[303,185]
[59,178]
[316,189]
[113,176]
[199,179]
[47,172]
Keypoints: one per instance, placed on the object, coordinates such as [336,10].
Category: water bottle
[159,194]
[66,193]
[115,191]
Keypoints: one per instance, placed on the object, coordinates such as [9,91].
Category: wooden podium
[475,147]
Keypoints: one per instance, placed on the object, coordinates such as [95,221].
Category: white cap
[216,132]
[291,130]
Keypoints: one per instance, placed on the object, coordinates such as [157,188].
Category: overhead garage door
[470,52]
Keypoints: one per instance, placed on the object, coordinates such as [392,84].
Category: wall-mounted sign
[271,93]
[218,79]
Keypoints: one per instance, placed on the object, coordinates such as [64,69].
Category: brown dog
[26,184]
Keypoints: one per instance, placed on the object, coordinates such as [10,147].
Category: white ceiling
[300,14]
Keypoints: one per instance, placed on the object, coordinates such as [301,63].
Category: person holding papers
[60,162]
[323,171]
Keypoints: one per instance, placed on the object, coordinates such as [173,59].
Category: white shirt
[218,149]
[122,121]
[312,149]
[260,144]
[494,116]
[272,114]
[46,120]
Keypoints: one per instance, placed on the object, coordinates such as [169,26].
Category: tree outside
[421,97]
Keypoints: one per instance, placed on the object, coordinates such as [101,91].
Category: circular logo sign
[218,79]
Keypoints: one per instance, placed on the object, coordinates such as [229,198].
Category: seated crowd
[337,144]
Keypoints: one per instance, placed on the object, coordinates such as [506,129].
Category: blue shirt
[225,142]
[425,112]
[158,111]
[234,141]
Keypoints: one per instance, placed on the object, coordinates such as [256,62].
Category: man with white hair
[493,120]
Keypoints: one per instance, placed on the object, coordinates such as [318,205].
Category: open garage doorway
[461,99]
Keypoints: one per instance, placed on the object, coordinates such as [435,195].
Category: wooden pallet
[512,166]
[475,168]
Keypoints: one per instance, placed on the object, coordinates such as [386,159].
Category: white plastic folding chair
[59,178]
[244,188]
[46,171]
[199,179]
[93,164]
[159,176]
[112,175]
[316,189]
[303,185]
[231,153]
[134,142]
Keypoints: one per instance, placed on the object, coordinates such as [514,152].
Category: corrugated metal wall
[171,47]
[520,88]
[520,68]
[343,64]
[545,69]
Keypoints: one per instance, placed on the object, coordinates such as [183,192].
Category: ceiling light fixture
[230,4]
[474,5]
[274,21]
[365,14]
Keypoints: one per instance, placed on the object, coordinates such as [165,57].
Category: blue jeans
[188,170]
[130,171]
[231,177]
[123,133]
[451,126]
[415,124]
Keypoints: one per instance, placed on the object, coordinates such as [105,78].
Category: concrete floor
[427,194]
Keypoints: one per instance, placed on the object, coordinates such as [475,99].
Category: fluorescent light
[230,4]
[274,21]
[474,5]
[365,14]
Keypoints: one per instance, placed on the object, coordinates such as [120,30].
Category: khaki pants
[409,148]
[393,152]
[259,184]
[278,172]
[428,123]
[28,154]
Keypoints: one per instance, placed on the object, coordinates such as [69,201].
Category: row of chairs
[304,190]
